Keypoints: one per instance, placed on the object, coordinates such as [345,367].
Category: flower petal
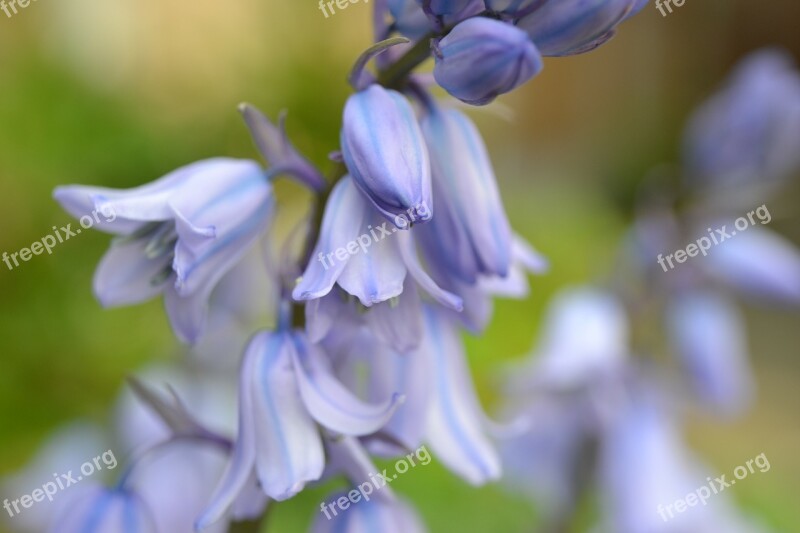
[188,315]
[329,402]
[374,274]
[289,449]
[126,275]
[240,466]
[398,322]
[454,425]
[98,510]
[410,258]
[341,224]
[218,214]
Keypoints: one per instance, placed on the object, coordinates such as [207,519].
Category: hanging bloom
[385,153]
[471,229]
[749,132]
[177,236]
[286,388]
[482,58]
[358,251]
[569,27]
[709,337]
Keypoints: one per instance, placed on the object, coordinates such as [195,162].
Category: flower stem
[396,74]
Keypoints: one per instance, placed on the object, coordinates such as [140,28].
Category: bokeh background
[118,92]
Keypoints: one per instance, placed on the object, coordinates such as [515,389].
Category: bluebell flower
[287,387]
[569,27]
[471,228]
[482,58]
[708,335]
[361,253]
[385,152]
[748,133]
[177,236]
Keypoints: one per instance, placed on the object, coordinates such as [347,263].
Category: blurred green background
[119,92]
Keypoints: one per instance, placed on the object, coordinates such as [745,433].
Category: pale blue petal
[241,464]
[98,510]
[455,422]
[289,449]
[376,274]
[341,224]
[126,276]
[329,402]
[411,260]
[398,322]
[218,214]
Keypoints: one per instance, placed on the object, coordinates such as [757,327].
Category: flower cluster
[603,400]
[365,357]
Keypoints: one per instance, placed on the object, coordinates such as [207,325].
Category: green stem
[396,75]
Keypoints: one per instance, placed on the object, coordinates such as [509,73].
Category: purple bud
[385,152]
[483,58]
[569,27]
[449,7]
